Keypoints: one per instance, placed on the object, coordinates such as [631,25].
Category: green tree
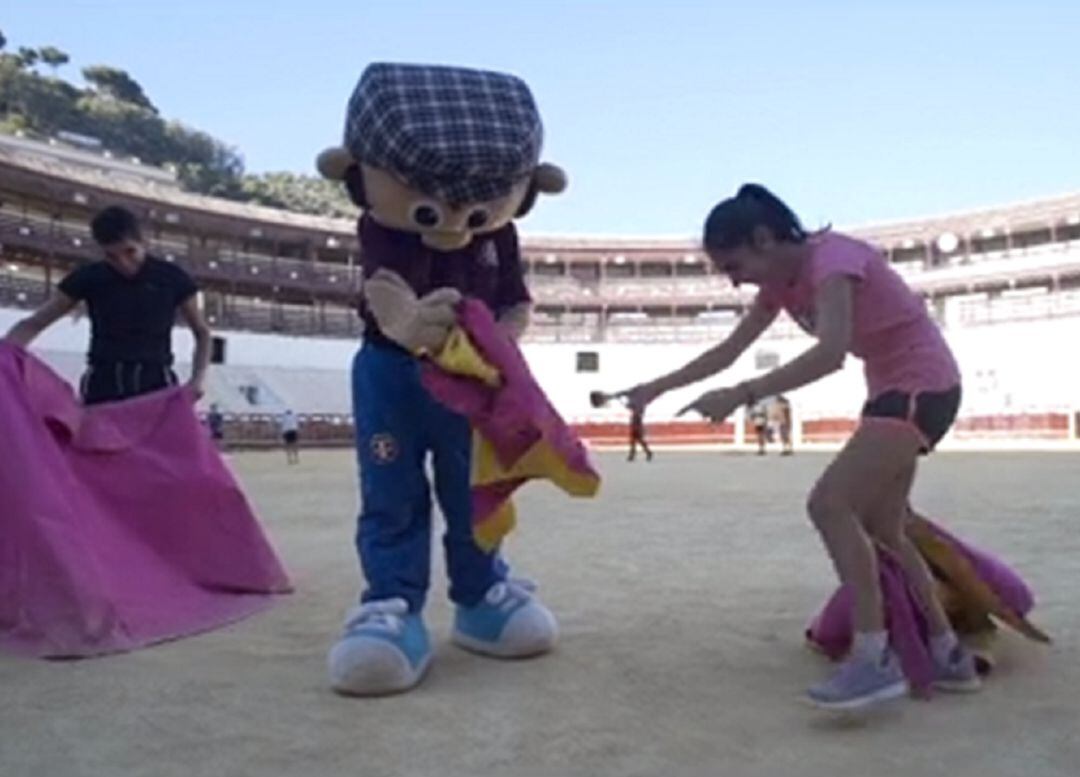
[117,84]
[47,104]
[10,70]
[3,40]
[203,163]
[117,111]
[28,56]
[42,105]
[53,57]
[300,193]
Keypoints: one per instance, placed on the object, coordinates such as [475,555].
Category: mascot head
[444,152]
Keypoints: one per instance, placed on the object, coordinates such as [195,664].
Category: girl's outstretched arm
[716,359]
[833,308]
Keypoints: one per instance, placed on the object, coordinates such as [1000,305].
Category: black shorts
[290,438]
[123,380]
[931,412]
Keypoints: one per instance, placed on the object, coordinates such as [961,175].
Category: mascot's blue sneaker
[509,622]
[385,649]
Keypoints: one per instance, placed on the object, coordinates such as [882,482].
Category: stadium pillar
[938,306]
[274,266]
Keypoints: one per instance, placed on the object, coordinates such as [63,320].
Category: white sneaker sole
[530,631]
[405,683]
[483,648]
[888,693]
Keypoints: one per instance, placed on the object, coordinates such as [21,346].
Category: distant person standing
[637,435]
[759,419]
[782,406]
[215,421]
[290,435]
[132,299]
[599,399]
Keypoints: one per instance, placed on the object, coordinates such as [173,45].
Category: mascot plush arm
[417,324]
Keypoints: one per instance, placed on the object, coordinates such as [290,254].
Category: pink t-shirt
[901,347]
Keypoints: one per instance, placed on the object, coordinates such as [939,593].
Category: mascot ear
[546,179]
[338,164]
[333,162]
[549,179]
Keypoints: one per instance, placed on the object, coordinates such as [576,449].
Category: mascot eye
[478,218]
[426,216]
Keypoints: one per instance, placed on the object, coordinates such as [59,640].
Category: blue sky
[854,112]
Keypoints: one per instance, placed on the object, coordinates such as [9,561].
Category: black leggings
[123,380]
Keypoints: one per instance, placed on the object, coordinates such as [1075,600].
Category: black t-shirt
[489,268]
[131,319]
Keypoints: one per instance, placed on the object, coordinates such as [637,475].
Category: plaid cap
[459,135]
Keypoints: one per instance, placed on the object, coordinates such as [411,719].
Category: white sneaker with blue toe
[509,622]
[384,649]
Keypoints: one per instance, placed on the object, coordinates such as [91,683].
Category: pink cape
[976,584]
[515,418]
[120,525]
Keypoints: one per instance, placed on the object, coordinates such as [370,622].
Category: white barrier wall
[1007,367]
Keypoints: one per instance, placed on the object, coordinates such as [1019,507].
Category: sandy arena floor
[682,594]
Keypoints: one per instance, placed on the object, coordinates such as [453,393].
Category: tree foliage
[53,57]
[116,110]
[301,193]
[28,56]
[116,84]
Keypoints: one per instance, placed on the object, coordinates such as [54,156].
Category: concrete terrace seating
[306,391]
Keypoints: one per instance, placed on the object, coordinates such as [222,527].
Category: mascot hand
[436,317]
[417,325]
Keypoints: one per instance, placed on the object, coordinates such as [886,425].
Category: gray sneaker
[959,674]
[858,683]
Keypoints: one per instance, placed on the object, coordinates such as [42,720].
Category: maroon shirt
[488,269]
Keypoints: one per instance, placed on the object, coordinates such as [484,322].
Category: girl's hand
[718,405]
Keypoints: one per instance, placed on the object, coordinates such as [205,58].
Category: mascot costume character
[440,160]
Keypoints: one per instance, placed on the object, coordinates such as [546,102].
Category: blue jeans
[397,424]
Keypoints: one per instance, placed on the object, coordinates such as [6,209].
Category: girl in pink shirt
[844,292]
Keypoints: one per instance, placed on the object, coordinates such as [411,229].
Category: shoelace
[507,593]
[384,615]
